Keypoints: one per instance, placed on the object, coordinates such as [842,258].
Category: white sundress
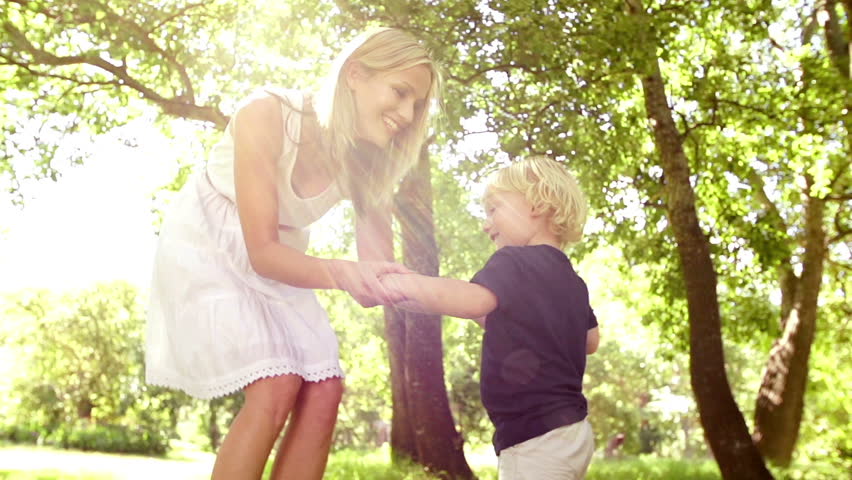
[214,325]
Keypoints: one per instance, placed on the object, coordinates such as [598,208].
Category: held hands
[361,280]
[393,283]
[413,293]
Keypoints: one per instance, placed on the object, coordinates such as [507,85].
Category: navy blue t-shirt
[534,346]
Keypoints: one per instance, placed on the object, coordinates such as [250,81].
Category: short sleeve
[499,275]
[593,319]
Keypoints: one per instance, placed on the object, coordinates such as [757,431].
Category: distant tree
[80,357]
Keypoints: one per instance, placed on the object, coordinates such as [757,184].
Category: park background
[712,139]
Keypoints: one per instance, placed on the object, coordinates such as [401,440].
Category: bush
[84,435]
[21,433]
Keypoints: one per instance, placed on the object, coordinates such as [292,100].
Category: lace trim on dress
[226,388]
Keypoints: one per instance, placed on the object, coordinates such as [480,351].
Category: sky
[94,223]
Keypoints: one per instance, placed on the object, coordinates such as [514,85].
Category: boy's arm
[444,296]
[593,339]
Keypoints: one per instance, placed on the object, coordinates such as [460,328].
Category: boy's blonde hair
[367,174]
[549,188]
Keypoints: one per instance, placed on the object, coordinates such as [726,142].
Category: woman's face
[387,103]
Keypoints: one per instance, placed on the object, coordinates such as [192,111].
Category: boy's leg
[561,454]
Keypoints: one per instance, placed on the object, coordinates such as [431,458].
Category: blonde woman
[232,303]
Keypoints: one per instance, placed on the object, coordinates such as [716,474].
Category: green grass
[653,468]
[52,475]
[185,462]
[374,465]
[43,463]
[26,462]
[40,463]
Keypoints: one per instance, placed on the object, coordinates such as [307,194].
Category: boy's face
[509,219]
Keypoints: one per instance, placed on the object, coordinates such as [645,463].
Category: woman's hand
[361,280]
[392,284]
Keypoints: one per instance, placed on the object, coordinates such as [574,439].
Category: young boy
[538,323]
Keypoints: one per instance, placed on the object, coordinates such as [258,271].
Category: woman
[232,302]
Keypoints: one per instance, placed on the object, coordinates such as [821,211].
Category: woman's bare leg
[251,436]
[303,452]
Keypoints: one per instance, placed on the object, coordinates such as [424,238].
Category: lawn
[20,462]
[41,463]
[24,462]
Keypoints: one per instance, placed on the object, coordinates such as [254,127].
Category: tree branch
[172,106]
[835,41]
[841,197]
[764,112]
[37,73]
[149,44]
[841,171]
[763,198]
[714,121]
[173,16]
[504,67]
[842,230]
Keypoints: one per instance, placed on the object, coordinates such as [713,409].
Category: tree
[422,428]
[723,422]
[90,65]
[80,359]
[524,80]
[561,79]
[780,402]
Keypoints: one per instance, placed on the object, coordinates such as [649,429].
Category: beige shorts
[561,454]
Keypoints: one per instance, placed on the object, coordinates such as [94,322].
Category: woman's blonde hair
[549,188]
[366,174]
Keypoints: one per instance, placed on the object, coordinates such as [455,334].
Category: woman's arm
[258,143]
[374,235]
[444,296]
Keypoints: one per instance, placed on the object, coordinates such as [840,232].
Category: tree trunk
[428,434]
[724,425]
[403,446]
[214,434]
[780,401]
